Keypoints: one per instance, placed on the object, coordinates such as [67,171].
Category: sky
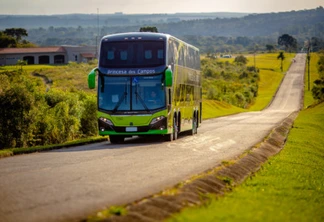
[50,7]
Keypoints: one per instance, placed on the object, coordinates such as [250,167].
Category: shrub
[318,89]
[234,84]
[31,116]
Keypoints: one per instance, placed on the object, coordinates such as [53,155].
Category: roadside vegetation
[37,114]
[233,83]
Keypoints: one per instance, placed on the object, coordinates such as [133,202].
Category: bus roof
[136,35]
[142,36]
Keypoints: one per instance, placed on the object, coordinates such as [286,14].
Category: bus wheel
[174,134]
[175,129]
[194,126]
[114,139]
[169,137]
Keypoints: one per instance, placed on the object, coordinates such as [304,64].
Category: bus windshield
[132,54]
[131,94]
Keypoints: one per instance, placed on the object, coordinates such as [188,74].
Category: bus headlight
[107,121]
[157,119]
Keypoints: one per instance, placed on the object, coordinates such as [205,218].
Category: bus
[147,84]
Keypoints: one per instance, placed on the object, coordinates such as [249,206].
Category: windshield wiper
[142,101]
[121,99]
[120,102]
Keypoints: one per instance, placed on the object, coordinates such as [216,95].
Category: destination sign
[130,71]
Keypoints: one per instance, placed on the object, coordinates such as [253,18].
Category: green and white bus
[148,84]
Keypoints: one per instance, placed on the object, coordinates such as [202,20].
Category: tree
[241,60]
[288,41]
[16,33]
[7,41]
[281,56]
[21,63]
[148,29]
[270,48]
[316,44]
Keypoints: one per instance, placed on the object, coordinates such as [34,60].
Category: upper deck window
[132,54]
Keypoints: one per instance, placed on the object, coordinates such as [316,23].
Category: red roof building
[47,55]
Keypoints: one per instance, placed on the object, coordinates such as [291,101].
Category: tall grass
[214,108]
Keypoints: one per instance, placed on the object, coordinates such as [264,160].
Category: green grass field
[214,108]
[289,187]
[27,67]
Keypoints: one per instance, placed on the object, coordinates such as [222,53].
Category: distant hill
[304,23]
[211,32]
[117,19]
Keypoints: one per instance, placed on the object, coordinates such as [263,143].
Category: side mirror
[168,77]
[92,78]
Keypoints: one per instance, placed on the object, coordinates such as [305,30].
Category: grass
[270,77]
[68,77]
[113,210]
[27,67]
[214,108]
[289,187]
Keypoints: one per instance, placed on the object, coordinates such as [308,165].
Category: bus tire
[169,137]
[175,130]
[174,134]
[194,125]
[115,139]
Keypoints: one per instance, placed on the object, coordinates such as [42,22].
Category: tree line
[12,38]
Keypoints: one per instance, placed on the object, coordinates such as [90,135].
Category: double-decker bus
[148,84]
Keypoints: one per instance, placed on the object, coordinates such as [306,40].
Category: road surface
[69,184]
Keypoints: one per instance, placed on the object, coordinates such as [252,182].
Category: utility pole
[255,49]
[308,63]
[98,21]
[97,37]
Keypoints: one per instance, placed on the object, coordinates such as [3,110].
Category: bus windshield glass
[131,94]
[132,54]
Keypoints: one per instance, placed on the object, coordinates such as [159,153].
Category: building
[47,55]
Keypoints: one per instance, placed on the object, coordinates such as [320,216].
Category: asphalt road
[69,184]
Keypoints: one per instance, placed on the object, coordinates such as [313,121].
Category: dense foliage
[31,116]
[318,88]
[288,41]
[234,84]
[12,37]
[148,29]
